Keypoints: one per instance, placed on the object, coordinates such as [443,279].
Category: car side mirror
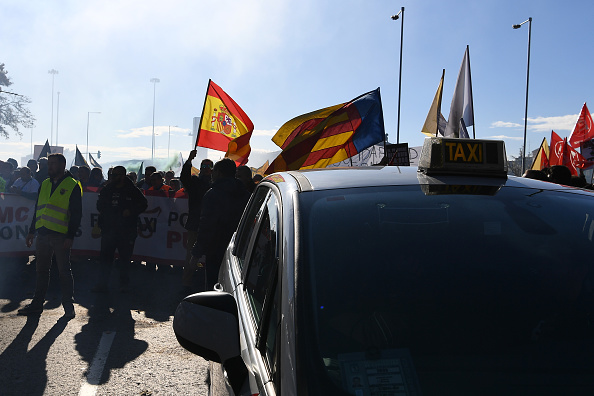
[207,325]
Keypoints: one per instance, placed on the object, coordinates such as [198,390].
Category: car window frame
[243,247]
[261,329]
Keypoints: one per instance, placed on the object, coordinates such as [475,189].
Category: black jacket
[222,207]
[196,187]
[111,204]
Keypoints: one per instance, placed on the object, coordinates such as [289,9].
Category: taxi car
[449,279]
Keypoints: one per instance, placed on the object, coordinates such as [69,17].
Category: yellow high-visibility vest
[52,209]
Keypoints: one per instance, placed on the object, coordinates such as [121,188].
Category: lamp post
[154,81]
[88,115]
[53,72]
[395,17]
[529,20]
[57,117]
[169,140]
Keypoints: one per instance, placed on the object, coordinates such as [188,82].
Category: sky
[282,58]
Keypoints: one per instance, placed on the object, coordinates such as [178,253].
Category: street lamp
[395,17]
[169,140]
[57,117]
[53,72]
[88,115]
[529,20]
[154,81]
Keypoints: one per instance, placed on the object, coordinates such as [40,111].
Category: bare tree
[13,108]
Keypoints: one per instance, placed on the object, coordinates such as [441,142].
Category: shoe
[99,289]
[69,313]
[31,309]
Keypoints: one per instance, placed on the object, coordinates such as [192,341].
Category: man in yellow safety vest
[58,212]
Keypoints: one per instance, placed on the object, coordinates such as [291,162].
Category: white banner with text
[161,235]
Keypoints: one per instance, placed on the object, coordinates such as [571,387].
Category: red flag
[584,130]
[574,160]
[556,150]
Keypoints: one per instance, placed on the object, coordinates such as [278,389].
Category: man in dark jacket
[222,207]
[196,187]
[119,204]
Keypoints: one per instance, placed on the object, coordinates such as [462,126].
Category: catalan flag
[224,126]
[329,135]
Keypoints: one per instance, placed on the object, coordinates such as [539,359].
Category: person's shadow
[25,372]
[106,316]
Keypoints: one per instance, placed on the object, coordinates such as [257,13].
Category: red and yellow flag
[541,160]
[224,126]
[326,136]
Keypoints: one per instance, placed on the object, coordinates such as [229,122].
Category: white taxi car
[450,279]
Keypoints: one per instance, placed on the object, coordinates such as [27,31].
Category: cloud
[547,124]
[503,124]
[542,124]
[503,137]
[135,132]
[263,132]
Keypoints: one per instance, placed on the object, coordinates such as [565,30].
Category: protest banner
[161,235]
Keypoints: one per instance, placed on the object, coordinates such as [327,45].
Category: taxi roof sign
[471,157]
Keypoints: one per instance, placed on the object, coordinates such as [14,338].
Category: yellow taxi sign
[463,156]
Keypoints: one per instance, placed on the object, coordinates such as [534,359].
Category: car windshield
[450,290]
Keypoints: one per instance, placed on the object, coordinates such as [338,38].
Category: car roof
[376,176]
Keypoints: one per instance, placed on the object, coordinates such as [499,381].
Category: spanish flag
[329,135]
[224,126]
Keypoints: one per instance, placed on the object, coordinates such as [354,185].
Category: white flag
[461,107]
[463,131]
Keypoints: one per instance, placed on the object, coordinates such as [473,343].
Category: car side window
[263,261]
[248,223]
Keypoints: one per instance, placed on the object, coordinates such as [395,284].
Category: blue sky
[282,58]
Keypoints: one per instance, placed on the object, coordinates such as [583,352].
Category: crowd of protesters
[216,199]
[559,174]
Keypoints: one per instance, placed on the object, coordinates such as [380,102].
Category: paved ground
[119,343]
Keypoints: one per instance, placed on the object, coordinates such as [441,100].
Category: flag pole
[202,114]
[471,99]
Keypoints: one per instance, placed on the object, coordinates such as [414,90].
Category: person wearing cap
[58,212]
[195,187]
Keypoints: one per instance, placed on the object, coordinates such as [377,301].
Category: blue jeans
[48,245]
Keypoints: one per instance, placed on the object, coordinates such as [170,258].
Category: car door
[261,291]
[253,271]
